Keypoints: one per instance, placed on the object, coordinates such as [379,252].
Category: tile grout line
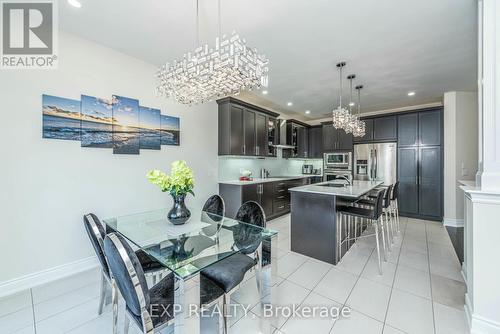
[430,279]
[403,235]
[33,310]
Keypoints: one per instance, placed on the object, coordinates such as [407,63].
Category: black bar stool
[387,222]
[373,215]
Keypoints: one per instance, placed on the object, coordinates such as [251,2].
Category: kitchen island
[315,230]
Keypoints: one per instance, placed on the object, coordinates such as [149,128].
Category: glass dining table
[187,249]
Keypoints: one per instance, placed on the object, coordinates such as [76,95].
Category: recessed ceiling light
[289,104]
[264,92]
[75,3]
[411,93]
[308,112]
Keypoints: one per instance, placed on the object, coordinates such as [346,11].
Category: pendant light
[340,116]
[359,129]
[351,120]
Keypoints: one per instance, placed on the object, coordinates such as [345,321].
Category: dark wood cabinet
[250,147]
[272,136]
[272,196]
[385,128]
[336,139]
[408,180]
[420,164]
[298,136]
[430,128]
[261,135]
[329,141]
[316,142]
[408,130]
[368,132]
[430,181]
[244,129]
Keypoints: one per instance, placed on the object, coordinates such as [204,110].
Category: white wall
[460,150]
[47,185]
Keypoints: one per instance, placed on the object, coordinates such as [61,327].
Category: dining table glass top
[187,249]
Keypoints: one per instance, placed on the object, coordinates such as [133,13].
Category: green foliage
[179,182]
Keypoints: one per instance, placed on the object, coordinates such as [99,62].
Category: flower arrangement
[179,182]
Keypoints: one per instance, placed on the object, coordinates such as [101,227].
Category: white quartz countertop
[357,189]
[269,179]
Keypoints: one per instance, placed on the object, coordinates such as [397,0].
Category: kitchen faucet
[345,178]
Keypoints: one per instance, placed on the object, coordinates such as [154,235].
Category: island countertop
[355,190]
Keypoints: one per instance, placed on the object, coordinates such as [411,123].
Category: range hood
[282,136]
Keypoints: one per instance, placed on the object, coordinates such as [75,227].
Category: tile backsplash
[231,166]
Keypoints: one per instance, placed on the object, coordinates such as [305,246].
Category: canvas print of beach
[170,130]
[126,130]
[149,120]
[97,122]
[61,118]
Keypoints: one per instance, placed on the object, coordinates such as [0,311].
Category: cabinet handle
[244,149]
[280,197]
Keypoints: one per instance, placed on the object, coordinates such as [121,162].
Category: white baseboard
[453,222]
[481,325]
[46,276]
[478,324]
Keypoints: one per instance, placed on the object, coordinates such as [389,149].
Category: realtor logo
[29,39]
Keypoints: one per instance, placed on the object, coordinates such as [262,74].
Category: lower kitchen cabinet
[272,196]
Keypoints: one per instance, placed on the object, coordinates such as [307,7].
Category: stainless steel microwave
[340,160]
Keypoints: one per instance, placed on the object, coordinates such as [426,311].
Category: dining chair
[96,233]
[214,208]
[150,308]
[395,206]
[230,272]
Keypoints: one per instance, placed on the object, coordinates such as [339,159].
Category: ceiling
[393,46]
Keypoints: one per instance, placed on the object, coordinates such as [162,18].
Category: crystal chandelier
[341,116]
[359,128]
[211,73]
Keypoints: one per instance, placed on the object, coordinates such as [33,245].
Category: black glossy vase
[179,214]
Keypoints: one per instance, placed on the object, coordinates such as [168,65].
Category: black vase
[179,214]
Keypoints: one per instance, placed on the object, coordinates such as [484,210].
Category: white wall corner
[453,222]
[481,325]
[45,276]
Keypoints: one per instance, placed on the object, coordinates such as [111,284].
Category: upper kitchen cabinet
[385,128]
[244,129]
[316,142]
[297,135]
[368,131]
[408,130]
[335,139]
[420,128]
[430,126]
[379,129]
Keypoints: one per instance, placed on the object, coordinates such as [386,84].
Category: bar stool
[373,216]
[395,205]
[370,202]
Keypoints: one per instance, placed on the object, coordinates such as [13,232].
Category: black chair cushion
[121,274]
[366,202]
[358,212]
[229,272]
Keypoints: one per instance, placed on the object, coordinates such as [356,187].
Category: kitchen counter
[269,179]
[357,189]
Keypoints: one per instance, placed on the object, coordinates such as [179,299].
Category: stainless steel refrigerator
[375,162]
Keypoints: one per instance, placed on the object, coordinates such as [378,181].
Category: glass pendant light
[359,129]
[340,116]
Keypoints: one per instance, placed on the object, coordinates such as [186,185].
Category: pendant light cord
[197,23]
[340,97]
[220,21]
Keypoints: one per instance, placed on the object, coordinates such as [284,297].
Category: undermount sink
[334,185]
